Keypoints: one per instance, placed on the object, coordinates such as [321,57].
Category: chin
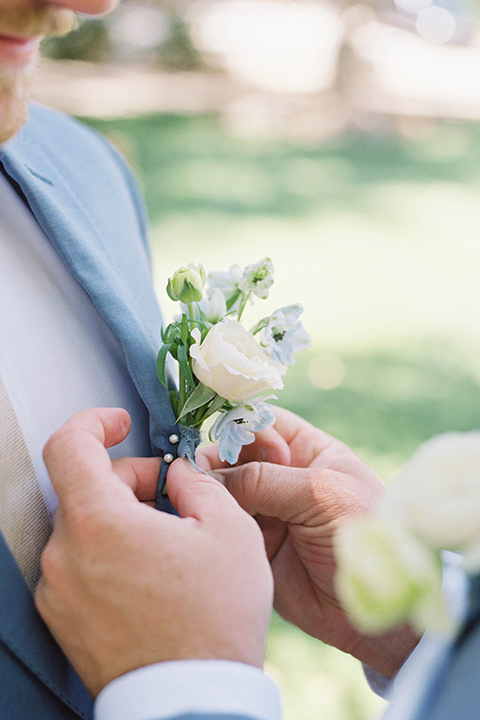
[14,102]
[13,116]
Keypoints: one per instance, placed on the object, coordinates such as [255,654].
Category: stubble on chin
[34,21]
[14,99]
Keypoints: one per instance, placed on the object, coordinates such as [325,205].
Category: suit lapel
[26,636]
[92,222]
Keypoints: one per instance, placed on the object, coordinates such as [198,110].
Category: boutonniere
[222,368]
[390,563]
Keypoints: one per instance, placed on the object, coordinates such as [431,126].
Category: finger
[195,494]
[306,442]
[274,533]
[311,447]
[77,461]
[307,496]
[273,490]
[208,459]
[140,474]
[269,446]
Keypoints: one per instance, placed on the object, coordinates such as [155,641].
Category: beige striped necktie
[24,519]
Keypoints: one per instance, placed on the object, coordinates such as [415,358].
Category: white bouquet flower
[222,367]
[438,492]
[232,363]
[389,563]
[386,575]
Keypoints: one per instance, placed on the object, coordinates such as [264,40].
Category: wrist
[385,654]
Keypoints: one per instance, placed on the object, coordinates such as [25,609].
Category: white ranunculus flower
[386,576]
[438,493]
[231,362]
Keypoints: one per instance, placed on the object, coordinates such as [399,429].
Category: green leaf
[185,330]
[201,396]
[161,364]
[216,404]
[260,325]
[183,358]
[231,302]
[172,394]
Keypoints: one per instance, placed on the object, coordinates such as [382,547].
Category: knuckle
[57,442]
[89,526]
[250,480]
[50,446]
[51,563]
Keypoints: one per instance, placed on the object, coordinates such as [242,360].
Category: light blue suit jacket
[87,203]
[441,681]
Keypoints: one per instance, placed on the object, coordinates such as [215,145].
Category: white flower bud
[186,284]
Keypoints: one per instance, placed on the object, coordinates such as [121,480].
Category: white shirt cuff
[168,689]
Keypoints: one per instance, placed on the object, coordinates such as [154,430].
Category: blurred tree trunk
[353,70]
[178,51]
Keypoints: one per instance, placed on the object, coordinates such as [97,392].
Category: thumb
[196,494]
[272,490]
[76,457]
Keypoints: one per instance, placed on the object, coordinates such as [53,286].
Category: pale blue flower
[258,278]
[283,334]
[237,427]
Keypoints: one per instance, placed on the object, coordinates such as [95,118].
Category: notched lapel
[89,218]
[27,637]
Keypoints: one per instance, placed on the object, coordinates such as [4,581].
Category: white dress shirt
[58,356]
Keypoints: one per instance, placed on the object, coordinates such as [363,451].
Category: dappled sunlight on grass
[389,400]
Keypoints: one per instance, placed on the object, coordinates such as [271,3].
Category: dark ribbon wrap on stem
[189,439]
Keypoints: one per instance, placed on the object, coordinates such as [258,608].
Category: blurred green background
[364,192]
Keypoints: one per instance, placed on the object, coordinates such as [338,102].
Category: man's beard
[36,20]
[15,81]
[14,93]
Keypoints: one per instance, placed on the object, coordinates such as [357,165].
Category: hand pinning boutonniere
[223,368]
[390,563]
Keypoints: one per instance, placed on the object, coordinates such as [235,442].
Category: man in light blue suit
[165,617]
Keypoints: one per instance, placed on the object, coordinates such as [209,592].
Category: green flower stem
[182,381]
[182,389]
[191,312]
[243,305]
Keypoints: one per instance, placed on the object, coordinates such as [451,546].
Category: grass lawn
[379,239]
